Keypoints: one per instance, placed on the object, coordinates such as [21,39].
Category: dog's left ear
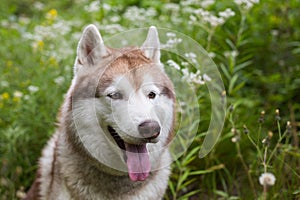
[91,48]
[151,46]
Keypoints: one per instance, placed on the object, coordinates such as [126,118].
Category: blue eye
[115,95]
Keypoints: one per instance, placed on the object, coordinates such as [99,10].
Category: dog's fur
[113,92]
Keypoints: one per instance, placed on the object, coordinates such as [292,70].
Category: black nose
[149,129]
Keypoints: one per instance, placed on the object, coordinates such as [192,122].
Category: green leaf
[186,196]
[181,179]
[225,71]
[242,66]
[232,83]
[221,193]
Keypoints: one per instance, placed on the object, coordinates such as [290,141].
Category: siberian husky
[114,126]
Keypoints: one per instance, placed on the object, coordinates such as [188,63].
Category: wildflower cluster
[208,17]
[265,148]
[246,4]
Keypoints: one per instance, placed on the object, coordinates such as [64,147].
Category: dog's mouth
[137,157]
[120,142]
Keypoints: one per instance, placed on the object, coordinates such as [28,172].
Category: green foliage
[257,52]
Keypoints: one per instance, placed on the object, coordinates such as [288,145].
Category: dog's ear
[91,48]
[151,46]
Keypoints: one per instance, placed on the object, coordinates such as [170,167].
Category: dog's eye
[115,95]
[151,95]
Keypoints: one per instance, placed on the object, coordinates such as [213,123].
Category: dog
[114,126]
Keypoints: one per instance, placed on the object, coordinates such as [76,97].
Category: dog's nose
[149,129]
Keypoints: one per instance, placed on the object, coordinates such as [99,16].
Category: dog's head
[122,102]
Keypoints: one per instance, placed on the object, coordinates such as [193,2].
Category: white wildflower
[38,5]
[192,57]
[172,63]
[215,21]
[231,54]
[198,81]
[211,54]
[201,12]
[115,19]
[193,18]
[267,179]
[106,7]
[33,89]
[18,94]
[4,84]
[59,80]
[24,20]
[185,64]
[113,28]
[191,77]
[94,6]
[172,6]
[187,2]
[170,34]
[227,13]
[246,4]
[185,73]
[134,13]
[172,40]
[206,3]
[206,77]
[26,97]
[209,18]
[151,12]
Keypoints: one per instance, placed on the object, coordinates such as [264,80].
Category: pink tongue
[138,162]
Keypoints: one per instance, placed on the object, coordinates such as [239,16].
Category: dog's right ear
[90,48]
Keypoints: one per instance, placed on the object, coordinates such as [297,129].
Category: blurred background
[255,45]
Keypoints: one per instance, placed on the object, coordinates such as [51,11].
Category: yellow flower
[40,44]
[5,96]
[9,63]
[51,14]
[52,61]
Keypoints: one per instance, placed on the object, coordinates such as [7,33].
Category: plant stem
[293,122]
[265,191]
[241,28]
[276,147]
[246,169]
[279,129]
[258,134]
[265,159]
[209,38]
[256,146]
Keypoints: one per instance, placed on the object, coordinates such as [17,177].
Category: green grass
[257,52]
